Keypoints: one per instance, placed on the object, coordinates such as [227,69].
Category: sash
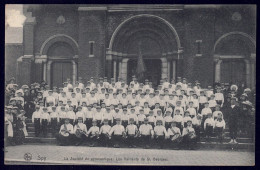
[79,132]
[64,132]
[176,136]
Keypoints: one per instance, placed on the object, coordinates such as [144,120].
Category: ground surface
[51,154]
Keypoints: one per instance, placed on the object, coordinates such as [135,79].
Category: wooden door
[233,71]
[60,72]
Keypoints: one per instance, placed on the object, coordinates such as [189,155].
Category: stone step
[201,145]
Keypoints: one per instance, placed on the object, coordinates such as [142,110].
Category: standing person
[220,125]
[233,114]
[89,116]
[66,132]
[45,119]
[219,97]
[36,116]
[209,125]
[8,132]
[19,135]
[54,121]
[146,133]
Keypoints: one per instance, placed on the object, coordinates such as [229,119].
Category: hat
[234,87]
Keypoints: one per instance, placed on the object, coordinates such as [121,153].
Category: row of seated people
[131,135]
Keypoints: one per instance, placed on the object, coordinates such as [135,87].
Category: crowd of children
[174,114]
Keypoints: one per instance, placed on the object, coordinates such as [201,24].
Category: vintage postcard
[119,84]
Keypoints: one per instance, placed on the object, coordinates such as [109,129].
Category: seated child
[131,132]
[118,132]
[160,133]
[80,131]
[65,136]
[189,136]
[104,133]
[146,133]
[94,133]
[174,135]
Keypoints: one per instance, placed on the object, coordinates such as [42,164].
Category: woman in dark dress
[19,136]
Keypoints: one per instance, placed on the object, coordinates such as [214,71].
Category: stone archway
[58,54]
[160,40]
[241,54]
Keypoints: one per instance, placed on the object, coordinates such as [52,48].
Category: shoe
[234,141]
[231,141]
[134,146]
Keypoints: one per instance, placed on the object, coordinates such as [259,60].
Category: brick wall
[12,53]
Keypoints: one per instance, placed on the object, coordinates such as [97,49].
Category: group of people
[173,114]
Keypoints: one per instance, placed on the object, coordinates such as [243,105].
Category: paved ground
[45,154]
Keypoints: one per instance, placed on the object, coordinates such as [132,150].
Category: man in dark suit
[233,115]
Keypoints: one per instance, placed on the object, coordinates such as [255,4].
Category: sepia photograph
[130,84]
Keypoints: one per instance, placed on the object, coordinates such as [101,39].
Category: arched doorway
[235,59]
[61,53]
[159,42]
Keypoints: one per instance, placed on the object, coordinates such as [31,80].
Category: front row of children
[117,135]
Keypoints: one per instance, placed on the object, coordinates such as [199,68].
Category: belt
[37,118]
[117,135]
[146,135]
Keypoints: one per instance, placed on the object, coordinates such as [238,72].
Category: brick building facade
[206,43]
